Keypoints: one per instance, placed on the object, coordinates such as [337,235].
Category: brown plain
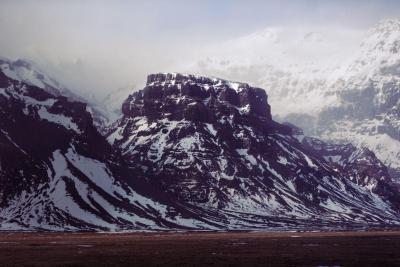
[376,248]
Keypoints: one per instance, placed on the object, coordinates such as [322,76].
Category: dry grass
[201,249]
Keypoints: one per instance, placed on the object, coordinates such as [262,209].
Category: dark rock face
[200,100]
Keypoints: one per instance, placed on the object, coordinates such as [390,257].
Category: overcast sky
[101,45]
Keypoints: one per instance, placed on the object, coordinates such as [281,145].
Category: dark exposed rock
[201,99]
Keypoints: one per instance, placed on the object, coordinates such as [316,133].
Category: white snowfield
[26,72]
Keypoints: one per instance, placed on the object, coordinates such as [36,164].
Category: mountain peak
[387,25]
[383,38]
[24,70]
[180,78]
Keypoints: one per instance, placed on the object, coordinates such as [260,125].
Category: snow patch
[60,119]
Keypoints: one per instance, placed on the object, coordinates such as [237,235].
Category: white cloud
[97,46]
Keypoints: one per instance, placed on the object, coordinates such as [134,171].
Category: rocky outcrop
[201,99]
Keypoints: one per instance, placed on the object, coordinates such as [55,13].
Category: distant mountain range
[332,89]
[188,152]
[341,86]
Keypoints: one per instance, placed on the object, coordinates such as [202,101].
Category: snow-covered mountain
[367,112]
[58,173]
[288,61]
[333,89]
[30,73]
[188,153]
[292,63]
[212,144]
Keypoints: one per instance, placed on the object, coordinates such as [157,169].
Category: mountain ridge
[149,130]
[190,152]
[354,100]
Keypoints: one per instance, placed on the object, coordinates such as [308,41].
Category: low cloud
[98,46]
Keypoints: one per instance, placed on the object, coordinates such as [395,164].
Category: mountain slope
[189,153]
[367,113]
[29,73]
[58,173]
[360,165]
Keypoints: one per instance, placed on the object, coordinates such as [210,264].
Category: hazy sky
[100,45]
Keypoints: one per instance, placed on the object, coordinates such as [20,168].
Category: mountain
[360,165]
[291,62]
[368,109]
[30,73]
[58,173]
[340,90]
[212,145]
[188,152]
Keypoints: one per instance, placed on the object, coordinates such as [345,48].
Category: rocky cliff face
[201,99]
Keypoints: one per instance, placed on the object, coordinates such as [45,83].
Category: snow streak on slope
[57,172]
[31,74]
[83,194]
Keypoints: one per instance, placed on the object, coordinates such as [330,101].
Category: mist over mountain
[105,125]
[188,152]
[338,92]
[98,46]
[339,85]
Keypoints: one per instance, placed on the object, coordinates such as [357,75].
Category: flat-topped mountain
[212,144]
[198,99]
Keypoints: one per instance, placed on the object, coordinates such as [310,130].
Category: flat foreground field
[201,249]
